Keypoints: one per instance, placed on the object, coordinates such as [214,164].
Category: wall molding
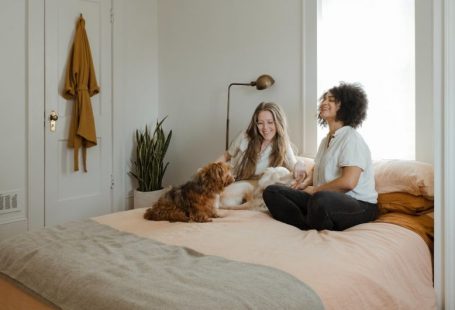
[448,149]
[119,168]
[35,107]
[12,220]
[309,69]
[444,118]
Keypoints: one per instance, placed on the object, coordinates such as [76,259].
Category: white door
[71,195]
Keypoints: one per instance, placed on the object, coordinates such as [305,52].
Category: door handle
[53,117]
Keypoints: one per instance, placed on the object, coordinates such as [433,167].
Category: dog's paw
[220,213]
[201,218]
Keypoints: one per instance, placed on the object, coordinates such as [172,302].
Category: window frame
[424,132]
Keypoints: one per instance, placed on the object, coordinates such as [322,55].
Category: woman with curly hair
[343,192]
[264,144]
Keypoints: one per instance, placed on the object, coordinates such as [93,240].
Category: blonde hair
[247,167]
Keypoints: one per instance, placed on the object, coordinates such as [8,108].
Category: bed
[244,260]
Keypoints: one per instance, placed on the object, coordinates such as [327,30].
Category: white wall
[424,80]
[206,45]
[444,151]
[135,79]
[13,110]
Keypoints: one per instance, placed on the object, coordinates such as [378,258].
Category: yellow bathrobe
[80,85]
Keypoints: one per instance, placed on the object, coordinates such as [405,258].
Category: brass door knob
[53,117]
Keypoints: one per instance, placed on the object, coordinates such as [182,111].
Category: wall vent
[10,202]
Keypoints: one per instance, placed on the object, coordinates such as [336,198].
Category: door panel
[71,195]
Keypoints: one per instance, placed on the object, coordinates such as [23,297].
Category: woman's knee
[271,192]
[323,199]
[319,211]
[336,211]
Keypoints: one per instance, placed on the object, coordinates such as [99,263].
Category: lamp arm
[227,117]
[253,83]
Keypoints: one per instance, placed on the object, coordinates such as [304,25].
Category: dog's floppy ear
[212,176]
[217,171]
[211,172]
[205,169]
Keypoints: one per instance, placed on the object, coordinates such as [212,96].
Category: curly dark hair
[353,107]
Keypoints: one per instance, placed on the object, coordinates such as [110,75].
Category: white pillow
[408,176]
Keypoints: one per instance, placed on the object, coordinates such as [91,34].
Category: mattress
[369,266]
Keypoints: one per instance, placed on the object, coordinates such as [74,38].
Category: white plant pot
[147,199]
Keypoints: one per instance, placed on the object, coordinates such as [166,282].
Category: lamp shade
[264,81]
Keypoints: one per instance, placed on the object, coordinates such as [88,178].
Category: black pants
[323,210]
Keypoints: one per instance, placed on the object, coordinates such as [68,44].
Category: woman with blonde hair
[264,144]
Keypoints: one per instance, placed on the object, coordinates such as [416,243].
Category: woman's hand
[296,184]
[305,178]
[302,184]
[299,172]
[309,190]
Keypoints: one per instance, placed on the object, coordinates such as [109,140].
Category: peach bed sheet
[369,266]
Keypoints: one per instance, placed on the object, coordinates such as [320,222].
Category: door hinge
[112,181]
[112,15]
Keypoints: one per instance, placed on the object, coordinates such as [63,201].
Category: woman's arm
[348,180]
[297,167]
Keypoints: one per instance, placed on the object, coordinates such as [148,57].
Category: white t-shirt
[238,148]
[347,148]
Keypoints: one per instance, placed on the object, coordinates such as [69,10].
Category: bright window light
[372,42]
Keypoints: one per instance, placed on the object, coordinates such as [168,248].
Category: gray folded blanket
[87,265]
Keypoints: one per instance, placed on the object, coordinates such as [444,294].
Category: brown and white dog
[195,200]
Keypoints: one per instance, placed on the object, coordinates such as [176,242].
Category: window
[372,42]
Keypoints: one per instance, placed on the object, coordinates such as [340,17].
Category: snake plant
[148,168]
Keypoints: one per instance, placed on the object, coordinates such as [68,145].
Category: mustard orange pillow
[404,203]
[421,224]
[408,176]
